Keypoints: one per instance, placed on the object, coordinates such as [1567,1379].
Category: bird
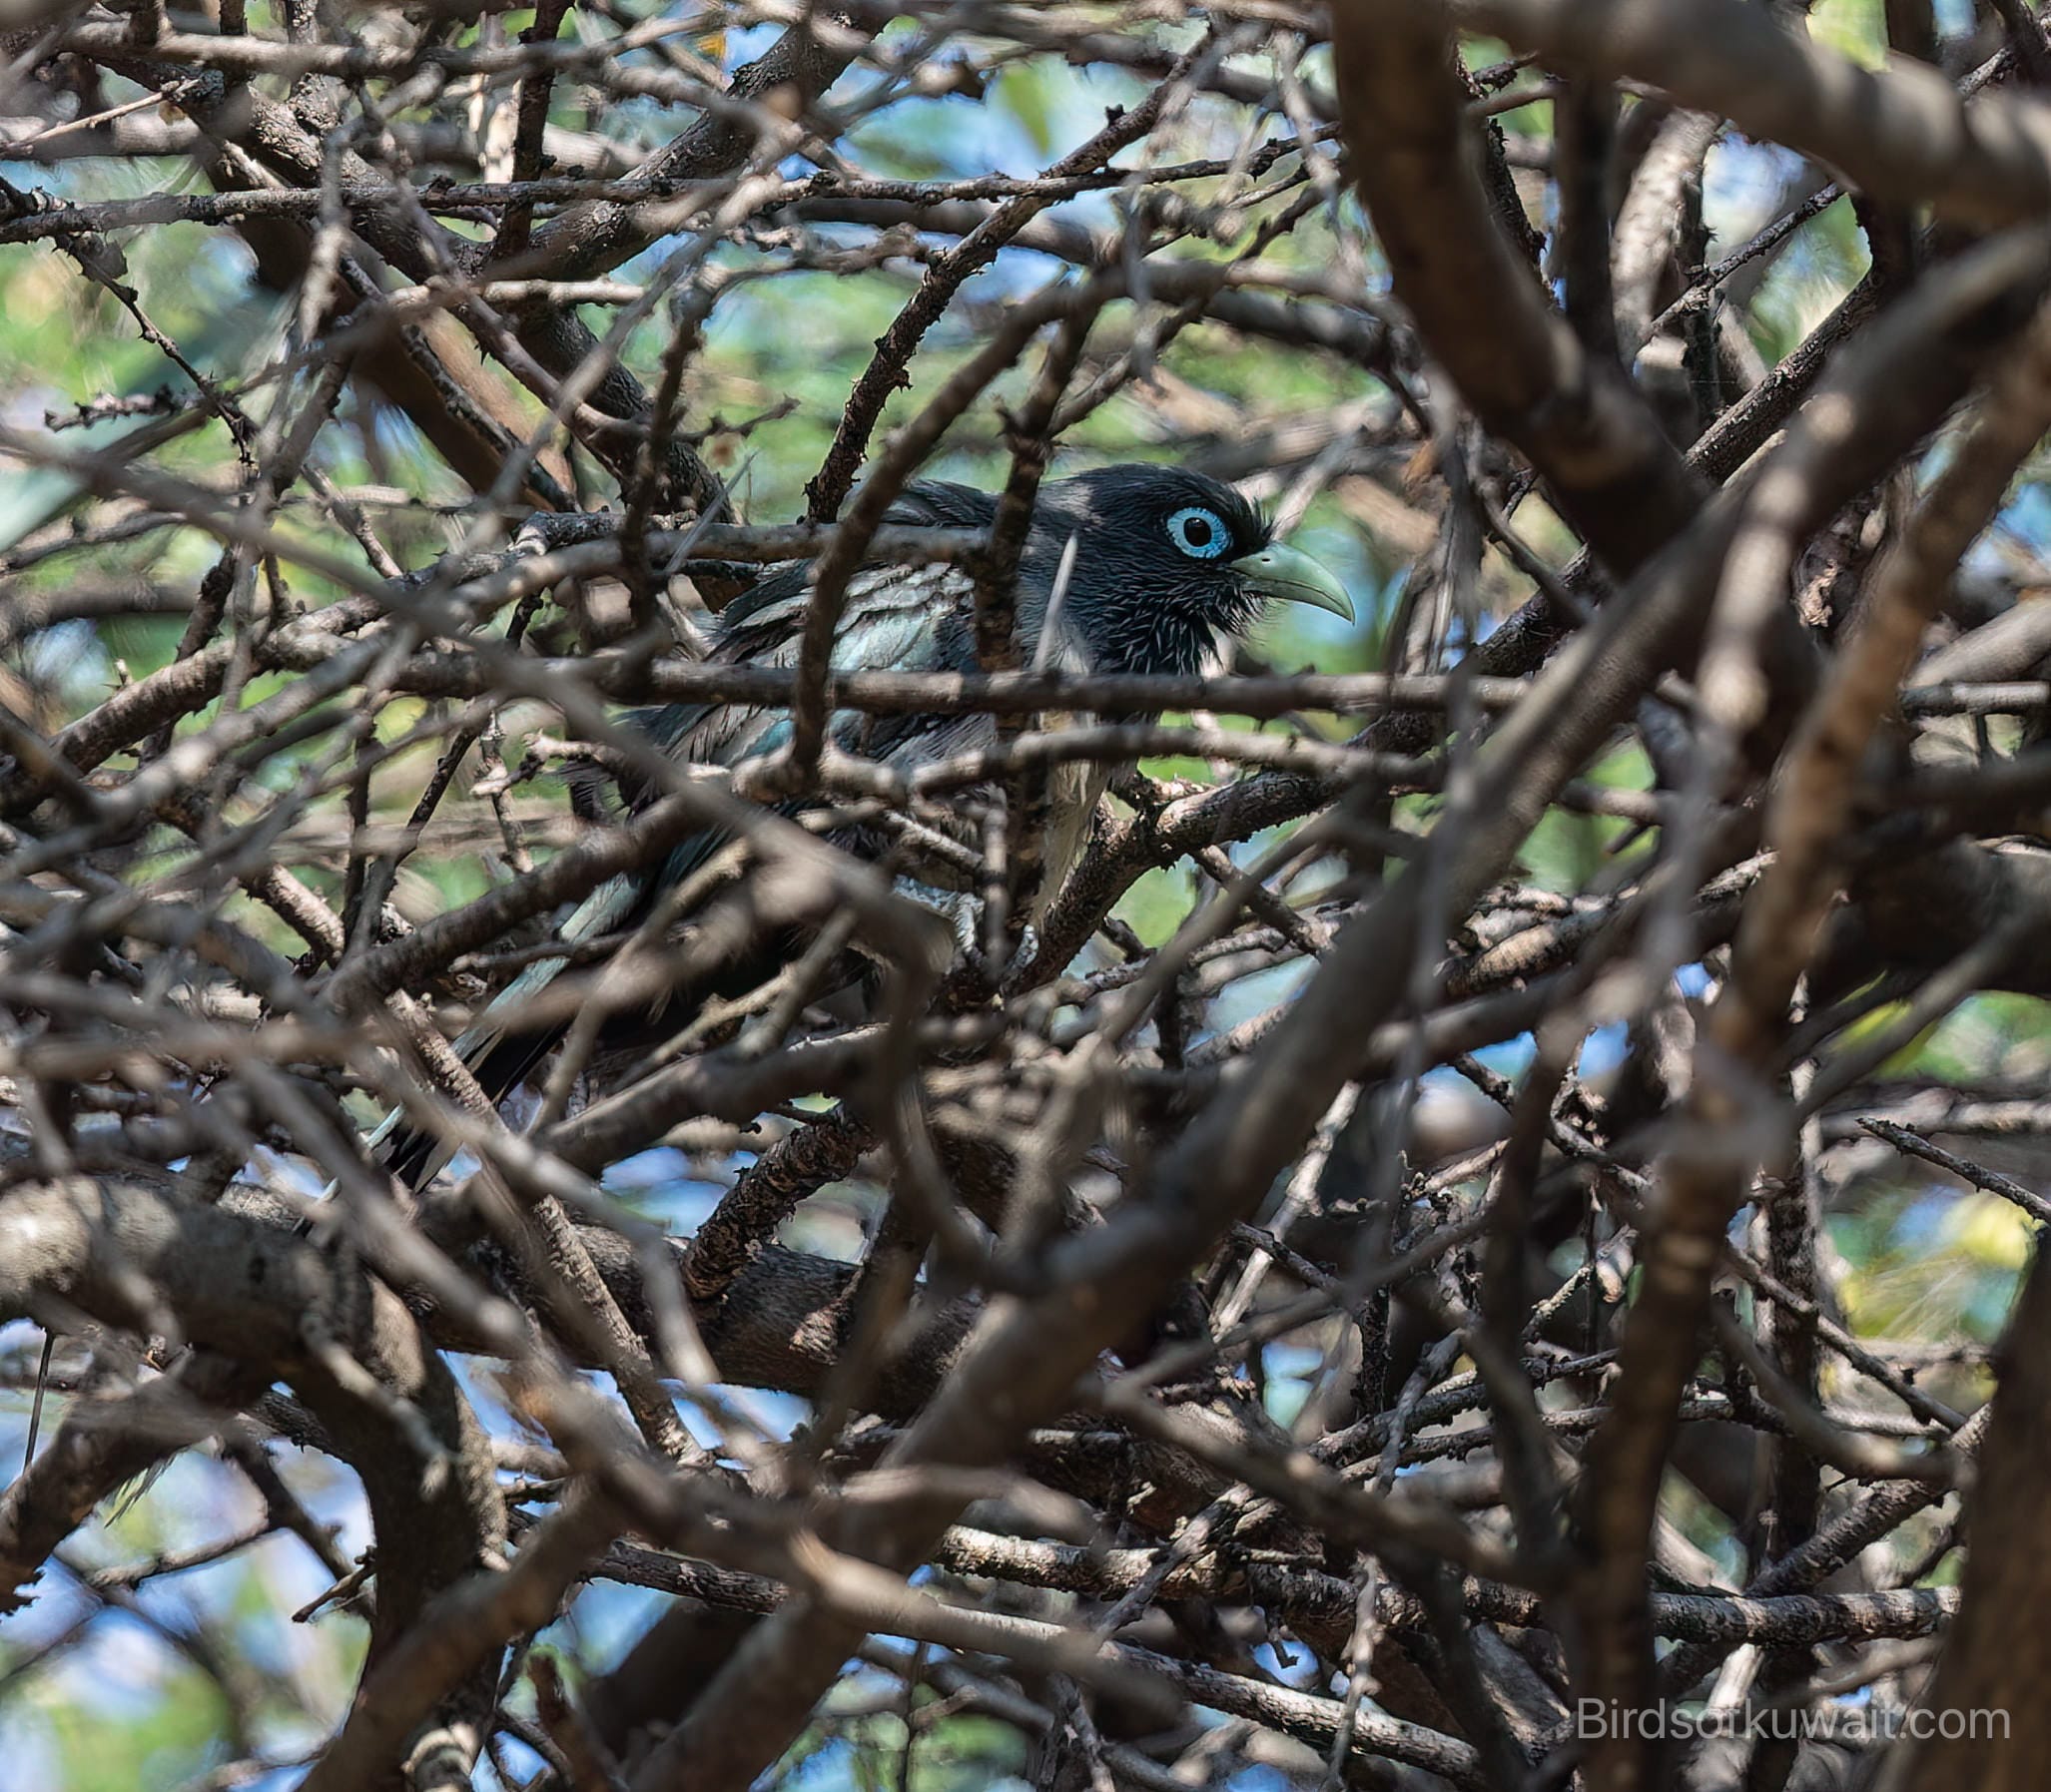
[1125,569]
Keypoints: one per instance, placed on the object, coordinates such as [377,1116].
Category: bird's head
[1167,566]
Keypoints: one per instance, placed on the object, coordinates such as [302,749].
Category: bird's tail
[499,1051]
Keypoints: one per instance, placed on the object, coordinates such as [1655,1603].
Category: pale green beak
[1290,576]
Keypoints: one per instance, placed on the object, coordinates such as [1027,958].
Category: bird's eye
[1200,533]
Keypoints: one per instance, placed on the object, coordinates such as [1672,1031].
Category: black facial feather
[1145,592]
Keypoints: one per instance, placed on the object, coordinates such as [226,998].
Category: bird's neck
[1145,635]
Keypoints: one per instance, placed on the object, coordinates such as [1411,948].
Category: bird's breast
[1071,799]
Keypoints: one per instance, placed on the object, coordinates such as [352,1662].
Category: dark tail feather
[501,1058]
[417,1157]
